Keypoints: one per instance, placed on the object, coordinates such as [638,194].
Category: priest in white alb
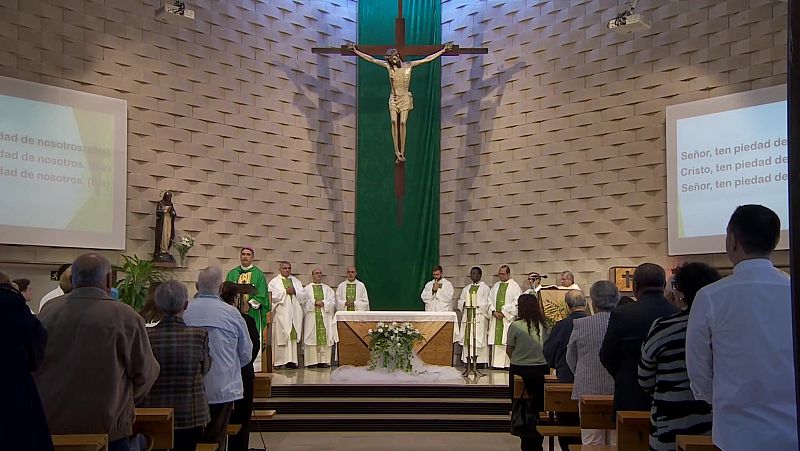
[288,296]
[319,329]
[503,305]
[438,293]
[351,295]
[475,294]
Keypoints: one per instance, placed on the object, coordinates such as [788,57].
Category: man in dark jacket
[555,352]
[627,329]
[23,424]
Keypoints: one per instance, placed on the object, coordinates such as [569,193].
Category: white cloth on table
[441,300]
[739,357]
[421,373]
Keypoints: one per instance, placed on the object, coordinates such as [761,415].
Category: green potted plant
[139,274]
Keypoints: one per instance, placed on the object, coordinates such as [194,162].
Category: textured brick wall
[231,111]
[553,145]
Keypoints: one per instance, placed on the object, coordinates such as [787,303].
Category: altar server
[479,292]
[319,329]
[438,293]
[503,306]
[351,295]
[288,296]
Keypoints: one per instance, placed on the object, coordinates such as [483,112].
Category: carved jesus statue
[400,99]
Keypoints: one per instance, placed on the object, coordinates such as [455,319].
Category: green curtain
[395,260]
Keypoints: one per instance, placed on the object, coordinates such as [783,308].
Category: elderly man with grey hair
[182,352]
[555,352]
[583,358]
[230,349]
[98,363]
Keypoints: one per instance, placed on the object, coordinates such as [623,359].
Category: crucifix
[400,100]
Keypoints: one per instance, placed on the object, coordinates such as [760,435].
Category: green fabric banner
[395,260]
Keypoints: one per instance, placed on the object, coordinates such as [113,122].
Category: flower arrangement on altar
[182,244]
[392,345]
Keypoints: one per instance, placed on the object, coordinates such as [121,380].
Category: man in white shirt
[288,297]
[503,307]
[319,329]
[438,293]
[476,293]
[64,274]
[739,353]
[568,281]
[351,295]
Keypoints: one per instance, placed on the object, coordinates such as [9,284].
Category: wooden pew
[262,385]
[234,429]
[597,412]
[592,448]
[207,447]
[633,430]
[158,423]
[557,399]
[695,443]
[80,442]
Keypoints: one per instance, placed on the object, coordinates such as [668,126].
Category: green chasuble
[350,295]
[255,277]
[498,306]
[287,283]
[322,334]
[470,314]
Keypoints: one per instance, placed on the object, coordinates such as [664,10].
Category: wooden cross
[404,51]
[400,44]
[628,277]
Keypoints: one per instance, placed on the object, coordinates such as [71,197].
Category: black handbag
[524,417]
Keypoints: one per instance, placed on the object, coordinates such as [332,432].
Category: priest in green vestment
[288,296]
[503,305]
[247,273]
[319,328]
[351,295]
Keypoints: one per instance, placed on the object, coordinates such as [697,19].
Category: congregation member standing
[503,308]
[242,408]
[248,273]
[739,343]
[288,297]
[662,369]
[98,363]
[58,290]
[583,358]
[319,329]
[627,328]
[437,295]
[555,352]
[23,425]
[351,295]
[479,292]
[524,348]
[230,348]
[182,353]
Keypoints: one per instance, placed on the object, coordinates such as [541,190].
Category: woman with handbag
[526,336]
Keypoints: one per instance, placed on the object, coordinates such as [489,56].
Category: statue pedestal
[165,264]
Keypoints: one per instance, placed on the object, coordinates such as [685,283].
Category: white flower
[369,331]
[380,324]
[399,344]
[380,330]
[416,331]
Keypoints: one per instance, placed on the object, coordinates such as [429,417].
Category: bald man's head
[4,279]
[91,270]
[351,273]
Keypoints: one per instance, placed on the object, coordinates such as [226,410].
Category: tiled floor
[386,441]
